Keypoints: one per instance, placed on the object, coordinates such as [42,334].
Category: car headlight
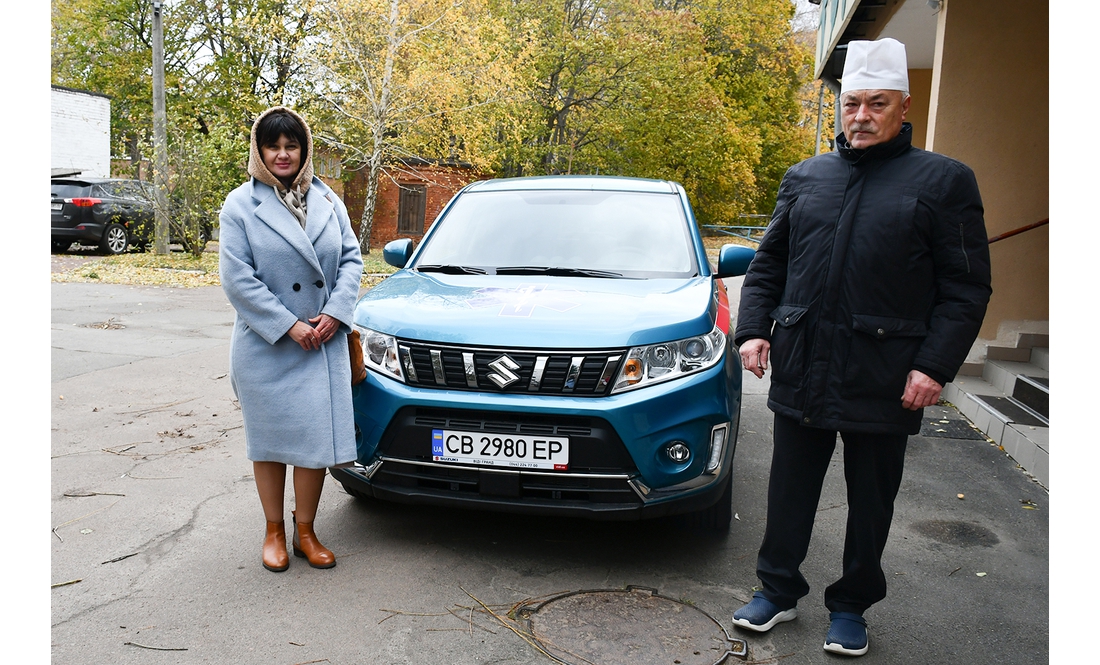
[646,365]
[380,353]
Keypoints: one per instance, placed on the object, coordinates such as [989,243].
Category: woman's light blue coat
[296,403]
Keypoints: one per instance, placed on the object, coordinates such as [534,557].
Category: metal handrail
[744,232]
[1018,231]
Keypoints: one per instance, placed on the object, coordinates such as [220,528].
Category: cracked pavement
[153,509]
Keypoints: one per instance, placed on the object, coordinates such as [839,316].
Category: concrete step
[1034,393]
[1003,373]
[1018,429]
[1025,382]
[1041,356]
[1030,447]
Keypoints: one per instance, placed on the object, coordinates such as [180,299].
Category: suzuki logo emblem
[503,373]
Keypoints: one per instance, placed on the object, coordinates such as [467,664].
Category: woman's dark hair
[279,123]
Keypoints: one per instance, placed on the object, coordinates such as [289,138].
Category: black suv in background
[109,212]
[113,213]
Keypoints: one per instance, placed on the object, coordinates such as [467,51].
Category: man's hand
[754,356]
[921,390]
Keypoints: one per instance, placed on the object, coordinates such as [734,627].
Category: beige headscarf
[295,198]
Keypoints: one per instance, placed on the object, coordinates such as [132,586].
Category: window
[410,209]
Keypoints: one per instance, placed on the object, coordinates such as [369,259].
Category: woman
[290,265]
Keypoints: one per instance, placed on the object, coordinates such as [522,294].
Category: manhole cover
[632,626]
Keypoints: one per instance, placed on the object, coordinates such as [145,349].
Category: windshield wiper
[559,272]
[451,270]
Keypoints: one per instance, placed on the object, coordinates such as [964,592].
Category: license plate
[487,449]
[56,206]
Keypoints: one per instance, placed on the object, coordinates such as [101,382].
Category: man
[865,295]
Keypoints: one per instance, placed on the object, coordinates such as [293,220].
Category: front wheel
[115,239]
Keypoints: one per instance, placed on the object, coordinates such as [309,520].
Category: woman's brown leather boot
[275,557]
[306,545]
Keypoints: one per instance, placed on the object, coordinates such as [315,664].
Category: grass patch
[374,265]
[182,270]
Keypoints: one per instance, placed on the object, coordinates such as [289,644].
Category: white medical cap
[877,65]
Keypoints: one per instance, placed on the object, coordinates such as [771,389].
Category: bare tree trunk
[381,114]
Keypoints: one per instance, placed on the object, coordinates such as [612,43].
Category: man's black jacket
[876,262]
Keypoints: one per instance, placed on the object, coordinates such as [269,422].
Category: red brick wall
[442,183]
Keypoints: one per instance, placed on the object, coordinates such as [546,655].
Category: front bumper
[618,466]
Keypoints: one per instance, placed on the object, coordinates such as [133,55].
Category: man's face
[871,117]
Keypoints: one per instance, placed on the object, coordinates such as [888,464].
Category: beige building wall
[989,109]
[920,92]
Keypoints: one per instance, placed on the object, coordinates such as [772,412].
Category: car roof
[575,182]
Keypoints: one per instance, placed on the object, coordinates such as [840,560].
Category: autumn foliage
[703,92]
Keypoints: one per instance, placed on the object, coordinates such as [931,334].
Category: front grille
[502,427]
[565,489]
[557,372]
[599,464]
[594,447]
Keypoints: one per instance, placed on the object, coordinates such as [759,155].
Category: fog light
[717,447]
[678,452]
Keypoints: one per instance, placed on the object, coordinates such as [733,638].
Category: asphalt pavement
[156,531]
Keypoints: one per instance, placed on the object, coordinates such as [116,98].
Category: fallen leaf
[60,397]
[961,495]
[85,531]
[737,517]
[980,574]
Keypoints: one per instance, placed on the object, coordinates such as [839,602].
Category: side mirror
[734,260]
[398,252]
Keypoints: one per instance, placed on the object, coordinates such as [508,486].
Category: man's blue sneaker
[847,634]
[761,614]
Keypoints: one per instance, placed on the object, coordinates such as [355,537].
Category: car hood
[538,311]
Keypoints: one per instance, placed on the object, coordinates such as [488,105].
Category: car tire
[350,489]
[60,246]
[115,239]
[717,518]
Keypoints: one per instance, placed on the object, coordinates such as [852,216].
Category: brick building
[411,195]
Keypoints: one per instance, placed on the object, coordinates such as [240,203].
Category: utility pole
[160,135]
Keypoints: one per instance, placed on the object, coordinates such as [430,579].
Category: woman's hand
[326,326]
[304,334]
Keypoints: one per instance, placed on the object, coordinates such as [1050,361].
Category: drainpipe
[833,85]
[817,132]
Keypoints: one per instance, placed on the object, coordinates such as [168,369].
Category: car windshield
[603,234]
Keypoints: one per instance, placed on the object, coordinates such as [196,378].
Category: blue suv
[556,345]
